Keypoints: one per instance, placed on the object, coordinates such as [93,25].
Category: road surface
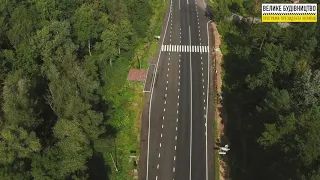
[177,143]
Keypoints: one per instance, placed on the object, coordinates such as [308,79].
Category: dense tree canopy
[272,96]
[63,68]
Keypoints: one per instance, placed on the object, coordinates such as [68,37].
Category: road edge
[142,167]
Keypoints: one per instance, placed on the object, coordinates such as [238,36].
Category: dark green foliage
[272,97]
[63,69]
[139,16]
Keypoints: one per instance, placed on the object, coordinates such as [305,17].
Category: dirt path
[221,118]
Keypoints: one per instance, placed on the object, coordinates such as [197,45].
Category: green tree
[86,25]
[23,23]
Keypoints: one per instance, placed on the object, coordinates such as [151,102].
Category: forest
[65,103]
[271,94]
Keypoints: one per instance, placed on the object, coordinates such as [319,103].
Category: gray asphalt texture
[179,101]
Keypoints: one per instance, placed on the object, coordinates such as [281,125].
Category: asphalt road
[178,146]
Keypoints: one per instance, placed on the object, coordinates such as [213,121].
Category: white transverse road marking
[184,48]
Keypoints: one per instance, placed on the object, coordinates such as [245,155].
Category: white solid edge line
[207,102]
[148,153]
[190,104]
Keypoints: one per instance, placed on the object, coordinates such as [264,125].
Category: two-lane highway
[177,134]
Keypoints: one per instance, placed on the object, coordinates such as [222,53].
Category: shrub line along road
[177,143]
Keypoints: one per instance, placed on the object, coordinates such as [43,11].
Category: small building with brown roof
[137,75]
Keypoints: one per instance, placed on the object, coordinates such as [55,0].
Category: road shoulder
[145,113]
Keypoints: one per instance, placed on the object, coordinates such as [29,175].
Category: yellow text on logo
[289,18]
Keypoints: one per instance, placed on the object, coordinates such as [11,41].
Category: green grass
[145,55]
